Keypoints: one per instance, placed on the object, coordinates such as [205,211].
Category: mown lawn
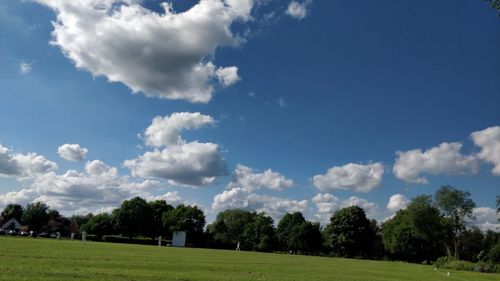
[44,259]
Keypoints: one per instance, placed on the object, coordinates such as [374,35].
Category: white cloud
[298,10]
[489,142]
[23,165]
[165,131]
[72,152]
[397,202]
[171,197]
[327,204]
[190,164]
[444,159]
[246,178]
[486,219]
[166,55]
[100,187]
[356,177]
[24,68]
[227,75]
[281,102]
[235,198]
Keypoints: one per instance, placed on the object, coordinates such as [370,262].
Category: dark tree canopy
[134,217]
[12,211]
[287,227]
[414,234]
[349,233]
[158,208]
[36,216]
[99,225]
[456,207]
[186,218]
[229,226]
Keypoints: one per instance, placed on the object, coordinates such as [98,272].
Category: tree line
[428,228]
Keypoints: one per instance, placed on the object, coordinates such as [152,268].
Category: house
[11,224]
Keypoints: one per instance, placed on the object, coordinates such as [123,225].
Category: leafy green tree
[259,234]
[12,211]
[349,233]
[456,206]
[159,208]
[472,244]
[310,240]
[36,216]
[99,225]
[81,219]
[287,230]
[186,218]
[134,217]
[415,233]
[229,227]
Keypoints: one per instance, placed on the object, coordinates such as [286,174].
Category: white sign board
[179,239]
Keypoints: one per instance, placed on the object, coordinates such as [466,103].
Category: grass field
[43,259]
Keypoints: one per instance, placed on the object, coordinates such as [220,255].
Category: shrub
[494,254]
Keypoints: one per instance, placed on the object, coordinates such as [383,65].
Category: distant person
[84,237]
[72,235]
[58,235]
[238,246]
[159,241]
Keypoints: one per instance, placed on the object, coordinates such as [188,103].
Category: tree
[190,219]
[12,211]
[456,207]
[158,208]
[134,217]
[99,225]
[36,216]
[349,233]
[287,228]
[309,238]
[259,234]
[415,233]
[229,227]
[495,4]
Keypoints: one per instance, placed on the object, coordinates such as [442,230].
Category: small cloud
[298,10]
[252,94]
[281,102]
[24,68]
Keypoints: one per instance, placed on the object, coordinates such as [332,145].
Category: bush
[452,263]
[494,254]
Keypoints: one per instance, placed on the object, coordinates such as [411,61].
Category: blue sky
[345,102]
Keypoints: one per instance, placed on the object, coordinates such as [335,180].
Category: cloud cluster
[356,177]
[24,68]
[327,204]
[165,55]
[298,10]
[174,159]
[23,165]
[240,193]
[443,159]
[489,142]
[246,178]
[486,219]
[99,187]
[397,202]
[72,152]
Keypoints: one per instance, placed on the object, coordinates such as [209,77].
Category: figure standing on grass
[159,241]
[84,237]
[238,246]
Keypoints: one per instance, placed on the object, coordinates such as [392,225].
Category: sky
[275,106]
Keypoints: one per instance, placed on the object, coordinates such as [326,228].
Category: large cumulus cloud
[166,55]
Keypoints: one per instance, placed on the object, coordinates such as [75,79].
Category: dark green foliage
[260,234]
[456,206]
[81,219]
[349,233]
[158,208]
[472,244]
[12,211]
[494,253]
[415,233]
[495,5]
[229,228]
[288,227]
[36,216]
[99,225]
[186,218]
[134,217]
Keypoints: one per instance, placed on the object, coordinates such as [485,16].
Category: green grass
[44,259]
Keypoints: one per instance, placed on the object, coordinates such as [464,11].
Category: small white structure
[179,239]
[11,224]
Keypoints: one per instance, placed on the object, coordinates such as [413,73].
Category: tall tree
[12,211]
[415,233]
[288,226]
[36,216]
[186,218]
[134,217]
[259,234]
[159,208]
[349,233]
[229,227]
[456,207]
